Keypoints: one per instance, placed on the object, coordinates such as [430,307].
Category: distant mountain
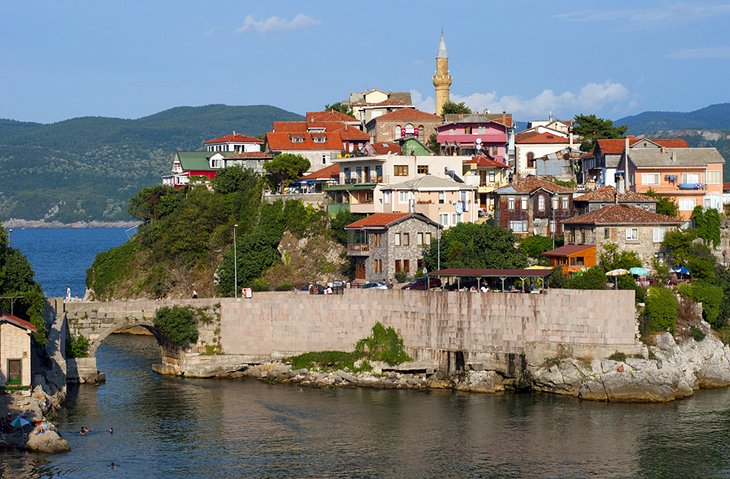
[713,117]
[86,169]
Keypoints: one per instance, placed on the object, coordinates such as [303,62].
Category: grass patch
[618,356]
[326,360]
[697,333]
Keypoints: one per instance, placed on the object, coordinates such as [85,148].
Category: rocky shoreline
[667,371]
[32,224]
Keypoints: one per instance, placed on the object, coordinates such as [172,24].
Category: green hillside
[87,168]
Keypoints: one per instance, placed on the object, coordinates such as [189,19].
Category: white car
[375,285]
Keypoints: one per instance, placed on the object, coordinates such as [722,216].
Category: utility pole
[235,264]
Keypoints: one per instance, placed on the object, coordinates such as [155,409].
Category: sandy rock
[481,382]
[48,442]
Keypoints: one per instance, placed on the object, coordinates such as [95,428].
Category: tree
[535,246]
[154,202]
[660,310]
[178,324]
[235,178]
[593,278]
[455,108]
[664,205]
[285,168]
[471,245]
[707,224]
[433,144]
[591,128]
[339,106]
[613,258]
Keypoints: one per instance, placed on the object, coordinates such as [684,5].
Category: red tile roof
[352,133]
[384,147]
[328,115]
[531,183]
[568,249]
[621,214]
[250,155]
[533,137]
[326,173]
[483,161]
[615,146]
[379,220]
[18,322]
[407,114]
[234,138]
[608,193]
[281,141]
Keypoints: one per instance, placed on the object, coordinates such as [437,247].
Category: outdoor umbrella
[616,273]
[19,421]
[637,271]
[680,270]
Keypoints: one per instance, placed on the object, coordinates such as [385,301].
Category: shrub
[661,310]
[594,278]
[284,287]
[618,356]
[383,345]
[710,296]
[401,276]
[697,333]
[260,284]
[178,324]
[77,346]
[326,360]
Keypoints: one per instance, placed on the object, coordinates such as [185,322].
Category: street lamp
[235,264]
[438,240]
[554,227]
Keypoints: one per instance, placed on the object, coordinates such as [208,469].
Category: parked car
[420,284]
[375,285]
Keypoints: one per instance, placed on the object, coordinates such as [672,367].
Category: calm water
[172,428]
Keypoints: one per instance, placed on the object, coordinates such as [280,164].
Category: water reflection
[172,427]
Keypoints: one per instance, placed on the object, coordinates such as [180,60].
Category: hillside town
[414,174]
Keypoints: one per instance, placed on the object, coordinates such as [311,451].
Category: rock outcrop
[674,371]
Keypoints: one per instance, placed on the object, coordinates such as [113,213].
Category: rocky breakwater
[668,370]
[35,432]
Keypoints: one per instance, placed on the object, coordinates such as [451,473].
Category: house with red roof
[235,142]
[487,175]
[190,167]
[402,123]
[475,134]
[15,354]
[322,137]
[383,244]
[530,145]
[606,196]
[572,258]
[631,228]
[533,206]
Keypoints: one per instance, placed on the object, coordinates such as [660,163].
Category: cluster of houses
[414,173]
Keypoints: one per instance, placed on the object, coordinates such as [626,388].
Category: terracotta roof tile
[568,249]
[378,220]
[328,172]
[383,148]
[621,214]
[533,137]
[615,146]
[607,194]
[407,114]
[328,115]
[234,138]
[18,322]
[250,155]
[281,141]
[483,161]
[531,183]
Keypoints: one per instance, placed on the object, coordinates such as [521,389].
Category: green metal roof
[365,186]
[198,160]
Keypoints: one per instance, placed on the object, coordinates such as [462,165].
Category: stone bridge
[441,330]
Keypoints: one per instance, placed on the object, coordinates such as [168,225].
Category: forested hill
[87,168]
[706,127]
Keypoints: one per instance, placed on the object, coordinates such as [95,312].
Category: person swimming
[84,431]
[111,430]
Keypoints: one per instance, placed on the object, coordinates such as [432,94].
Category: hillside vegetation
[88,168]
[186,243]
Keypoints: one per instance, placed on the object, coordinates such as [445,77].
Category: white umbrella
[616,273]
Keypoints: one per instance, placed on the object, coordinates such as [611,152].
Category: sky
[132,58]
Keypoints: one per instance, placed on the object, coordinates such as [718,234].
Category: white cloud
[277,24]
[660,15]
[722,53]
[592,98]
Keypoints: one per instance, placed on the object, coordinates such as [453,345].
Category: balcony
[358,249]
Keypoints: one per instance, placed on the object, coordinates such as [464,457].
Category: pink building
[475,134]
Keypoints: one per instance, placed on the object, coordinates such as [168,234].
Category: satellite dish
[479,141]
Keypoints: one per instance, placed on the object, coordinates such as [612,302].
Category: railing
[359,248]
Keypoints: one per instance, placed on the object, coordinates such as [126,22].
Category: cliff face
[675,371]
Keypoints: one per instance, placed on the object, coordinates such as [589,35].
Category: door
[15,375]
[360,268]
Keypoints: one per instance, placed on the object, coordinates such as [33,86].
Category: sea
[170,427]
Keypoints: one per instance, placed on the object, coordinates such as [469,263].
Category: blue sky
[130,59]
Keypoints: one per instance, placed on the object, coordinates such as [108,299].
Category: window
[523,203]
[420,130]
[442,195]
[714,177]
[419,239]
[495,150]
[377,266]
[444,219]
[427,239]
[686,204]
[518,226]
[398,266]
[691,178]
[403,197]
[406,239]
[366,172]
[215,163]
[319,139]
[406,266]
[348,175]
[482,130]
[541,203]
[658,235]
[510,203]
[530,160]
[606,233]
[375,239]
[409,129]
[467,130]
[632,234]
[397,239]
[400,170]
[15,371]
[325,159]
[297,139]
[397,132]
[554,202]
[565,202]
[422,169]
[492,176]
[378,174]
[358,174]
[650,178]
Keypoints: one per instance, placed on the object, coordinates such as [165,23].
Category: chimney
[504,118]
[615,197]
[626,164]
[672,156]
[570,137]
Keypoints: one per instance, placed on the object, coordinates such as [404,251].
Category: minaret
[442,79]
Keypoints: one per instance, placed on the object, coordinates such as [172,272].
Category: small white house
[15,352]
